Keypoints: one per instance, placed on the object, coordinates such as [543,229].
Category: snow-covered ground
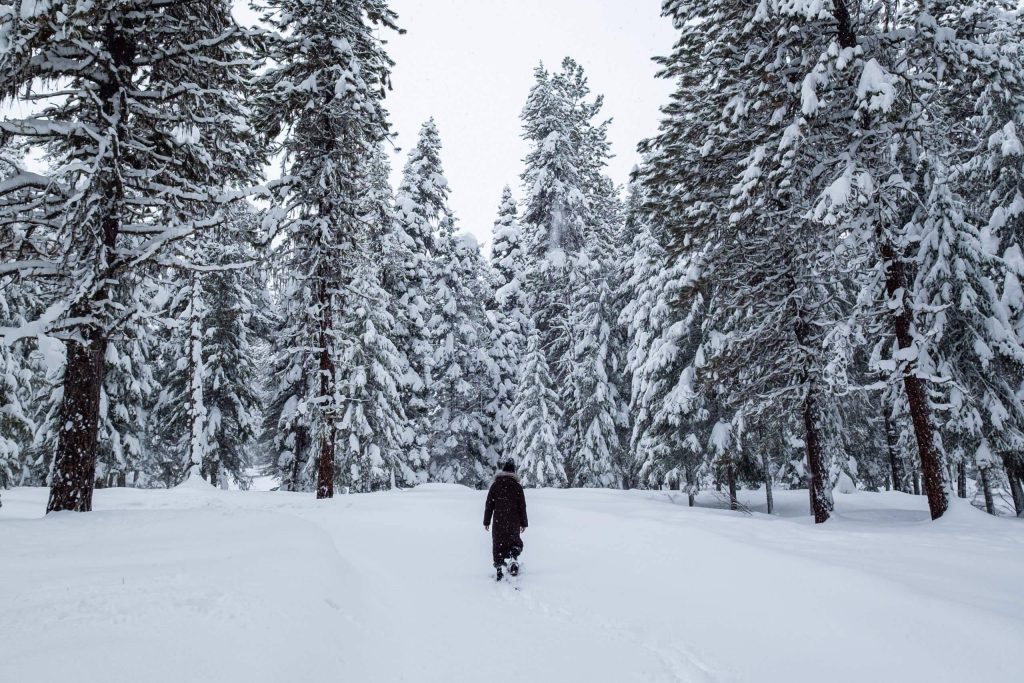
[195,585]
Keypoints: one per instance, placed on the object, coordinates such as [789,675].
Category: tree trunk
[74,469]
[1013,474]
[197,451]
[74,463]
[730,476]
[917,394]
[986,487]
[915,479]
[895,462]
[766,466]
[821,506]
[325,459]
[961,480]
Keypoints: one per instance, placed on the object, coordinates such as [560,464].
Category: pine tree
[532,440]
[508,320]
[421,207]
[288,422]
[208,413]
[459,448]
[16,369]
[324,94]
[370,431]
[144,126]
[664,312]
[598,407]
[562,180]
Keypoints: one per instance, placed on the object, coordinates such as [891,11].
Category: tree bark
[917,394]
[961,480]
[74,469]
[1013,474]
[730,476]
[821,506]
[895,463]
[986,487]
[325,459]
[766,466]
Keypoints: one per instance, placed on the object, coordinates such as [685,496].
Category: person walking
[506,507]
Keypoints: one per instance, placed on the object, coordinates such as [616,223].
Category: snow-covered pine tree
[322,98]
[208,413]
[507,317]
[900,188]
[556,209]
[370,370]
[663,314]
[421,207]
[459,447]
[598,396]
[988,175]
[287,434]
[562,178]
[16,308]
[773,336]
[598,407]
[532,439]
[144,126]
[125,402]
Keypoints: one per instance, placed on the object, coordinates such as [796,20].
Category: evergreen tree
[421,206]
[508,319]
[324,94]
[208,413]
[288,421]
[532,439]
[598,408]
[370,431]
[459,448]
[144,126]
[16,368]
[562,179]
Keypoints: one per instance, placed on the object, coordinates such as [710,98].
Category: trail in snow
[204,585]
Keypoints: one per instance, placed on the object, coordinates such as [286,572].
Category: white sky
[469,64]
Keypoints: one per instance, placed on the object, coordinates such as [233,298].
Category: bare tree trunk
[325,459]
[766,467]
[691,487]
[986,487]
[74,469]
[917,395]
[895,462]
[730,476]
[821,506]
[961,480]
[915,479]
[1013,474]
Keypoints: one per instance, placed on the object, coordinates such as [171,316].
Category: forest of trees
[812,280]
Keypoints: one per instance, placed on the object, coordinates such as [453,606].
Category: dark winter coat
[506,507]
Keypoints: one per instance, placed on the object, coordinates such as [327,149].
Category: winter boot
[513,568]
[500,574]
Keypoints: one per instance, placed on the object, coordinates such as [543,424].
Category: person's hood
[507,474]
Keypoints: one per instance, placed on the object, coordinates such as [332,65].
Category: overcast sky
[469,64]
